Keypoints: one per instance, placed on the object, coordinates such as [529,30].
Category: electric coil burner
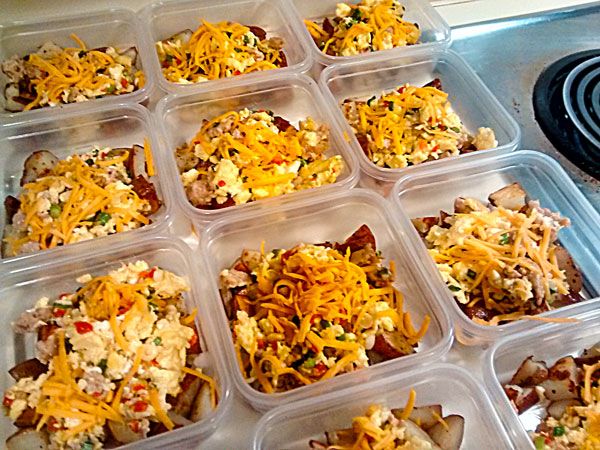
[566,103]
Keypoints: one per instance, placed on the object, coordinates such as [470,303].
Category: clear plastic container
[470,98]
[427,192]
[293,426]
[291,96]
[435,32]
[164,19]
[547,343]
[50,277]
[329,217]
[72,132]
[114,27]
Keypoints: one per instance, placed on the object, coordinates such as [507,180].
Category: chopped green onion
[112,88]
[558,431]
[103,364]
[391,106]
[356,14]
[102,218]
[310,363]
[325,323]
[87,445]
[55,211]
[246,39]
[370,101]
[504,239]
[454,288]
[89,162]
[157,341]
[471,273]
[455,129]
[341,337]
[540,443]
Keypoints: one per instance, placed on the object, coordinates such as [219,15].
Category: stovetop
[510,54]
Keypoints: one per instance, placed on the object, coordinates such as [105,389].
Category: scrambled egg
[48,217]
[368,26]
[141,340]
[247,155]
[411,125]
[218,50]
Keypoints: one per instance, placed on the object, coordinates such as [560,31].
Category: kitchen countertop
[236,430]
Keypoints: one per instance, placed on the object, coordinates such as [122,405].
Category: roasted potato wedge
[29,368]
[449,438]
[37,165]
[530,373]
[510,197]
[28,439]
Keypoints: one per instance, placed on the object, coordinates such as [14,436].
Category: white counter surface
[236,431]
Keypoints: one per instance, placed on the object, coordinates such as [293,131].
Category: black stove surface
[552,116]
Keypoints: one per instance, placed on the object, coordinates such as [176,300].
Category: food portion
[412,125]
[54,75]
[240,157]
[566,398]
[218,50]
[84,196]
[315,311]
[408,428]
[115,362]
[502,261]
[367,26]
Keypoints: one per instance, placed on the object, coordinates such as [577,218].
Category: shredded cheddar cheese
[312,312]
[57,75]
[82,197]
[411,125]
[243,156]
[217,50]
[368,26]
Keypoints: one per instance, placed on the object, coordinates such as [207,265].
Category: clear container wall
[470,98]
[293,97]
[426,193]
[332,217]
[291,427]
[22,289]
[435,32]
[548,343]
[116,27]
[163,20]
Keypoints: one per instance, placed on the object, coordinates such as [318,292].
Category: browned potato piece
[392,345]
[358,240]
[451,438]
[424,416]
[424,224]
[565,262]
[122,433]
[28,368]
[184,401]
[316,445]
[557,409]
[27,418]
[509,197]
[521,398]
[39,164]
[464,205]
[530,373]
[27,439]
[202,405]
[412,429]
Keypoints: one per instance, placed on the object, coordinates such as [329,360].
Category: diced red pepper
[277,160]
[58,312]
[320,369]
[274,345]
[261,344]
[236,72]
[221,183]
[140,406]
[8,401]
[63,295]
[401,89]
[194,344]
[135,426]
[124,82]
[83,327]
[53,424]
[314,319]
[138,387]
[96,394]
[435,148]
[148,273]
[178,61]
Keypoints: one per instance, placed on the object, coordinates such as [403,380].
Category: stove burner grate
[570,120]
[579,86]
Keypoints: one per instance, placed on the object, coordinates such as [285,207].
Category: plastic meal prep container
[164,19]
[70,133]
[469,97]
[118,28]
[291,427]
[435,32]
[50,277]
[291,96]
[547,343]
[427,192]
[328,217]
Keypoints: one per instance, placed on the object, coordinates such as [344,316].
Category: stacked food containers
[199,243]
